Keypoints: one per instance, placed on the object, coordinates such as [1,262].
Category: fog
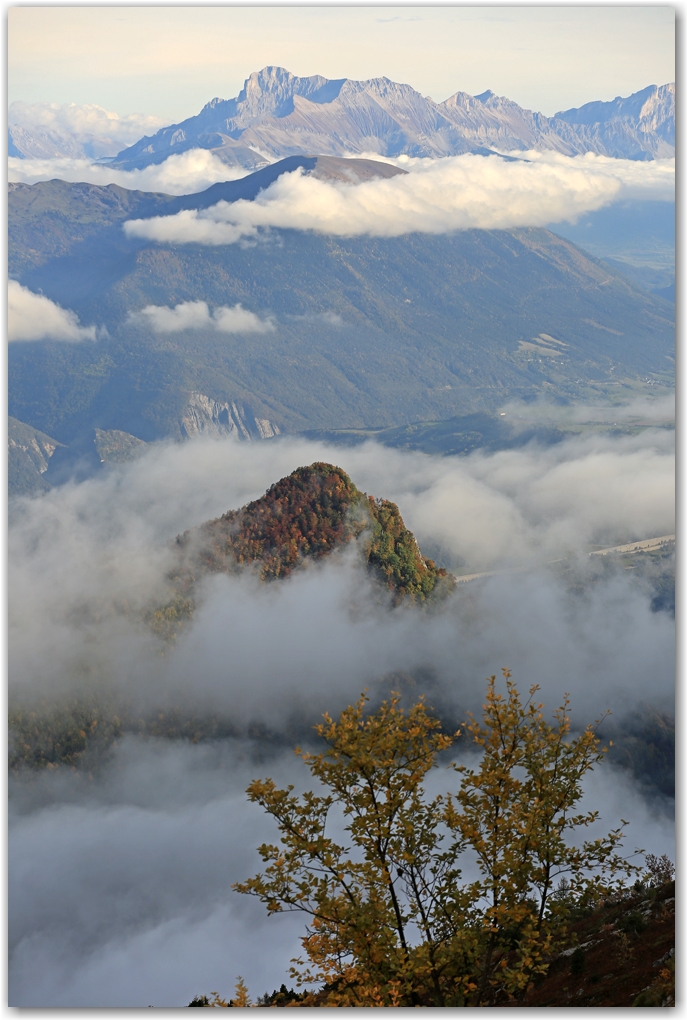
[476,191]
[121,880]
[645,410]
[638,179]
[653,180]
[455,193]
[86,559]
[121,896]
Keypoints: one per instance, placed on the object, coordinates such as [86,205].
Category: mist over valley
[222,703]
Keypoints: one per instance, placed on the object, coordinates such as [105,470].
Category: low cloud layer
[651,180]
[197,315]
[35,317]
[183,174]
[121,896]
[472,191]
[80,552]
[437,196]
[640,410]
[120,884]
[327,318]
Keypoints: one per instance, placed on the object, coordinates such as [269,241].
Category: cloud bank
[653,180]
[194,171]
[80,552]
[197,315]
[120,884]
[35,317]
[649,180]
[121,895]
[436,197]
[183,174]
[639,410]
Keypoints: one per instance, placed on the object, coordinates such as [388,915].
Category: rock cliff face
[639,127]
[278,114]
[206,417]
[29,453]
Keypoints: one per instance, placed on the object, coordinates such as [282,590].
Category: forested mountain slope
[308,515]
[361,332]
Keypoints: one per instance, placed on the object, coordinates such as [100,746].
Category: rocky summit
[279,114]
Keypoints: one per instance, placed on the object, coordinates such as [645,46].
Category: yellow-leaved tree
[392,922]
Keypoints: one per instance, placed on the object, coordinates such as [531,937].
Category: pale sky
[169,61]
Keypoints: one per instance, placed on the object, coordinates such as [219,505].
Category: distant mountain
[368,332]
[36,462]
[278,114]
[458,436]
[463,434]
[635,237]
[57,214]
[49,131]
[641,125]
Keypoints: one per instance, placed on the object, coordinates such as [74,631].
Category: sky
[169,61]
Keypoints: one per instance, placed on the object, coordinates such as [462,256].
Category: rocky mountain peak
[278,114]
[651,102]
[213,103]
[270,92]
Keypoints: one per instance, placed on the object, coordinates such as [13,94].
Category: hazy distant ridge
[278,114]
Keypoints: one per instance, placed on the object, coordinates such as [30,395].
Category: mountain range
[279,114]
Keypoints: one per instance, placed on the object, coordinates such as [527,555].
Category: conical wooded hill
[308,515]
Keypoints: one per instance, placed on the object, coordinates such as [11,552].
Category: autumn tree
[517,813]
[373,860]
